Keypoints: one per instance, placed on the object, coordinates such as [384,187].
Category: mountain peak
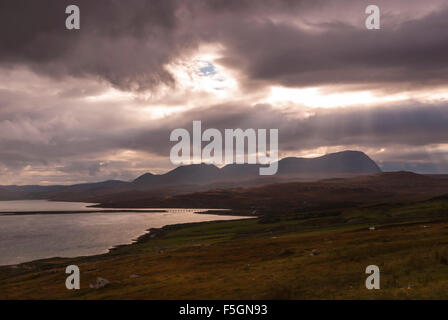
[354,162]
[144,177]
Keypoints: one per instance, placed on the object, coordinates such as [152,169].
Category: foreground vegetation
[321,254]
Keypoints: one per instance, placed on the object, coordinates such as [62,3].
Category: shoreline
[25,213]
[217,212]
[149,234]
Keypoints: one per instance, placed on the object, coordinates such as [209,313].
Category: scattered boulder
[134,276]
[314,252]
[100,283]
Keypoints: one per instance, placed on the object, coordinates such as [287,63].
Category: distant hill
[84,190]
[200,177]
[298,196]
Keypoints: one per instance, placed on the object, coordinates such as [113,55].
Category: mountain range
[200,177]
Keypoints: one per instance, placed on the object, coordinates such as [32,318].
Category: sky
[100,103]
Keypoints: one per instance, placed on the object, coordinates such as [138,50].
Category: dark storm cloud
[292,43]
[54,118]
[124,42]
[336,52]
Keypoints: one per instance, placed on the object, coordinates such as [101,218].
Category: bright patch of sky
[322,97]
[208,70]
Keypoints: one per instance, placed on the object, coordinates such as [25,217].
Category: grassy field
[311,255]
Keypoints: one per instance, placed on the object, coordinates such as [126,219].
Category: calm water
[30,237]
